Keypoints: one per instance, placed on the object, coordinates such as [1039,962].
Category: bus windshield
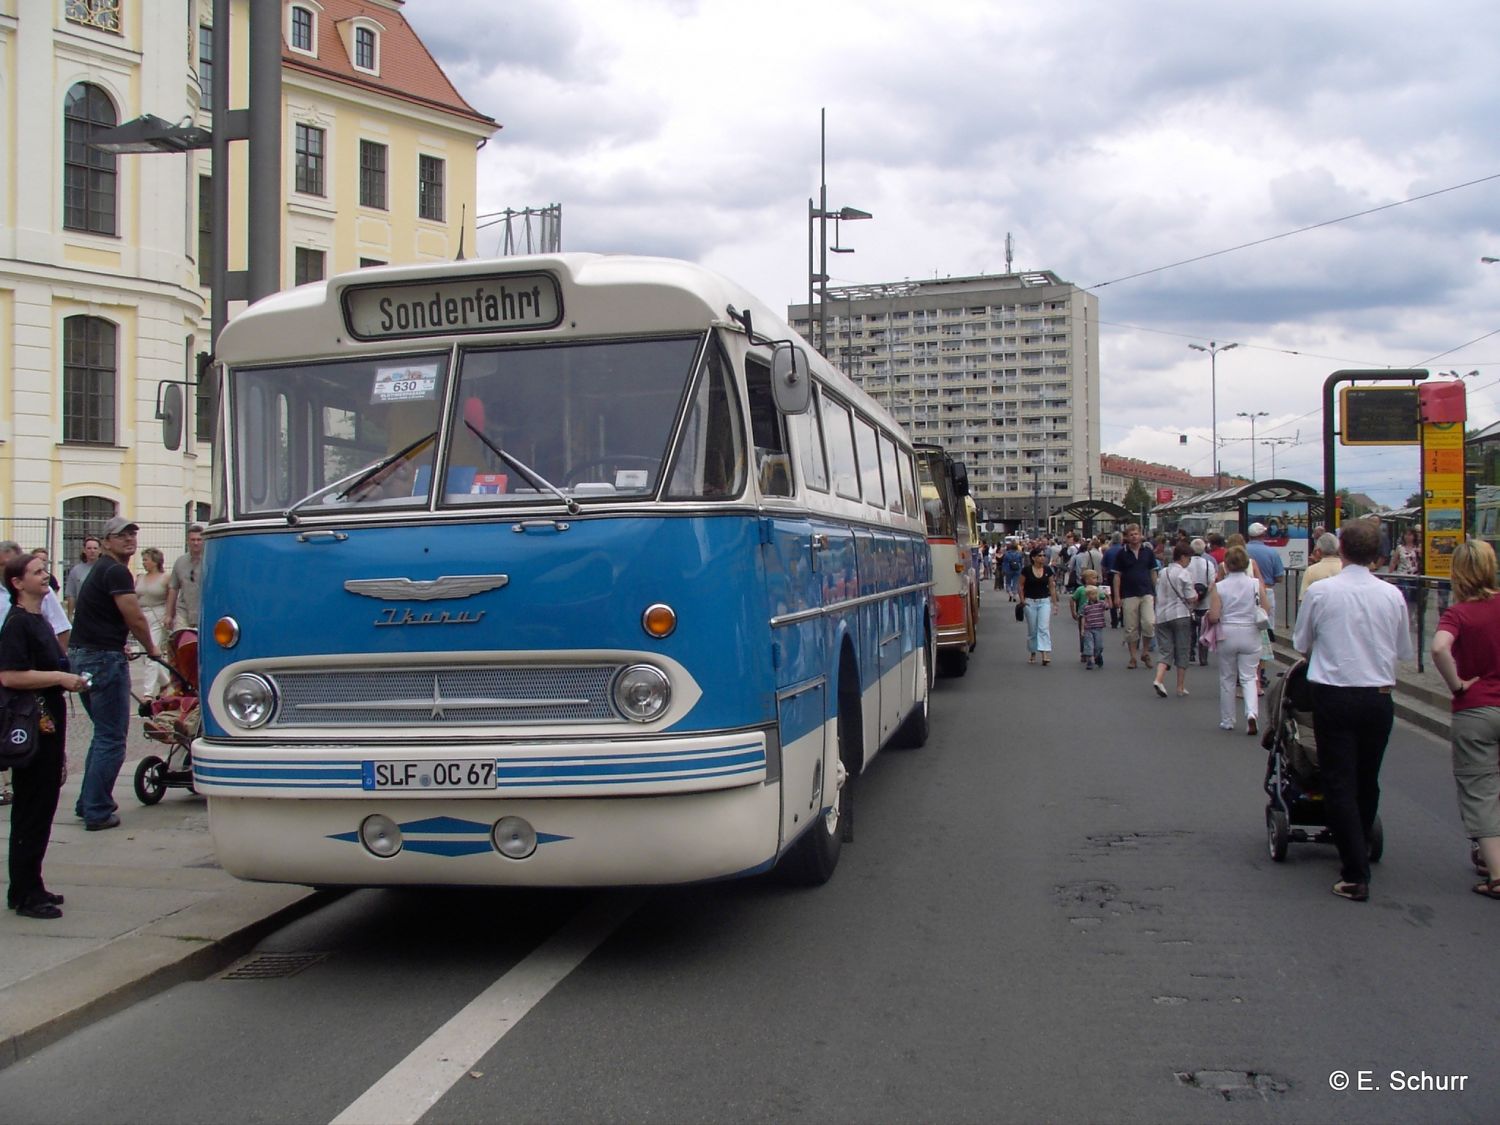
[525,423]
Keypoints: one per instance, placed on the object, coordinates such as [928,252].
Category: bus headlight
[642,692]
[514,837]
[249,699]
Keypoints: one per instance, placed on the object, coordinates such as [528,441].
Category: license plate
[445,774]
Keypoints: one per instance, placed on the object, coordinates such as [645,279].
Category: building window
[88,381]
[205,377]
[205,230]
[372,159]
[83,516]
[309,265]
[309,160]
[366,263]
[364,48]
[88,174]
[430,188]
[302,29]
[205,67]
[103,14]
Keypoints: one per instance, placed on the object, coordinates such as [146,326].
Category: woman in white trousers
[1233,604]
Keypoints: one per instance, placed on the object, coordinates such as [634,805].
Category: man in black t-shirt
[107,611]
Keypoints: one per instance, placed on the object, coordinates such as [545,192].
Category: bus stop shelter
[1238,499]
[1088,512]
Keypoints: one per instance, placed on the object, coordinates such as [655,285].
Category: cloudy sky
[1108,138]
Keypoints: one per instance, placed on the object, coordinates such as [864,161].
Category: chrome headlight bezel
[642,693]
[250,700]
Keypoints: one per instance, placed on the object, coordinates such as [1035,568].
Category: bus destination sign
[1379,416]
[495,303]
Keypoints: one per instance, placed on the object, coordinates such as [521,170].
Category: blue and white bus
[563,570]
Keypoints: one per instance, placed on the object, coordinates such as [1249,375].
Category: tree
[1137,499]
[1352,509]
[1415,500]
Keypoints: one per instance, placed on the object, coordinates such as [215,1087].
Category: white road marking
[414,1085]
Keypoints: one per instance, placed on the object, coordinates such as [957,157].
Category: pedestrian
[1175,599]
[151,589]
[1353,628]
[79,571]
[1038,599]
[1077,601]
[1111,553]
[46,557]
[1011,563]
[1268,563]
[1232,603]
[1325,561]
[1095,617]
[1466,653]
[1203,571]
[1134,590]
[30,660]
[185,586]
[108,611]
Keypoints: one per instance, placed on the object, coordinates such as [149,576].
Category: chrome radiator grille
[427,697]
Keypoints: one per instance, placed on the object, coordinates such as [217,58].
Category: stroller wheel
[1278,834]
[1376,842]
[150,780]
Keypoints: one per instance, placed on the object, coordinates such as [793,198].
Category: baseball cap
[1256,529]
[117,526]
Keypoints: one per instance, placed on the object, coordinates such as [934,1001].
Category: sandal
[1132,664]
[1490,888]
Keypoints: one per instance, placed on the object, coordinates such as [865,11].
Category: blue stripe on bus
[650,754]
[603,767]
[632,780]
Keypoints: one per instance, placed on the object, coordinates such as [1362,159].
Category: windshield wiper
[359,476]
[525,470]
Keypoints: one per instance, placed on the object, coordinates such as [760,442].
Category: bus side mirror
[791,386]
[169,410]
[960,478]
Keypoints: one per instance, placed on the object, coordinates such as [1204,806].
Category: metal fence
[1426,598]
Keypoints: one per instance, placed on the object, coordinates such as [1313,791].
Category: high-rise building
[1001,370]
[104,258]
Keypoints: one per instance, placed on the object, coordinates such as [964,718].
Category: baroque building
[105,259]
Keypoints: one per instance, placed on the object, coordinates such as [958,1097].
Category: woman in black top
[1038,596]
[31,661]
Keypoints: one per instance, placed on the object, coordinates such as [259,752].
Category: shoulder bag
[20,722]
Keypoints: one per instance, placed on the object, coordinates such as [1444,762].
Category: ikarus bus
[945,486]
[563,570]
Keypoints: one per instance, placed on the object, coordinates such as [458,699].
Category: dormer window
[364,49]
[304,28]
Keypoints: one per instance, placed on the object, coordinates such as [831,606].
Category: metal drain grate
[273,966]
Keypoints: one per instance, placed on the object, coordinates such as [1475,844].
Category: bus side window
[845,470]
[772,467]
[888,471]
[711,452]
[808,431]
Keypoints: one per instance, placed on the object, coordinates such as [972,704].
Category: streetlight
[1252,417]
[1213,351]
[1273,443]
[148,133]
[822,214]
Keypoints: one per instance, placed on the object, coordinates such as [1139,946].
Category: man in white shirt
[1353,628]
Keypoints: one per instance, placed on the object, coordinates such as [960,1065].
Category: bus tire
[812,859]
[953,661]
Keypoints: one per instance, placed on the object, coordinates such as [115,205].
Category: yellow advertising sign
[1442,495]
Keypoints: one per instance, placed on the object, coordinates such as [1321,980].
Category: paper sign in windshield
[405,384]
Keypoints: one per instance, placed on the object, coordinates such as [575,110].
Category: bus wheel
[814,856]
[953,661]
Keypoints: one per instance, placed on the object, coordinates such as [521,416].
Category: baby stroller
[172,720]
[1294,811]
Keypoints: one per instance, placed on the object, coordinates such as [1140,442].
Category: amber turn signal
[227,632]
[659,620]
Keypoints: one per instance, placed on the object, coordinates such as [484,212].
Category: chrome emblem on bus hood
[410,590]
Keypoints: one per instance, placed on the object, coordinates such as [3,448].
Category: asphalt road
[1061,909]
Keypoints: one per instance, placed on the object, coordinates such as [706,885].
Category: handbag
[1020,612]
[20,721]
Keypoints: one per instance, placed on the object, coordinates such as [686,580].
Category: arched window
[89,377]
[89,201]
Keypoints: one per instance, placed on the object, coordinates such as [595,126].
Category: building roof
[407,69]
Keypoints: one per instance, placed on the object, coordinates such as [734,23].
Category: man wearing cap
[1267,560]
[107,612]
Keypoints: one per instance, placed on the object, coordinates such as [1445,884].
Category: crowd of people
[1178,599]
[51,646]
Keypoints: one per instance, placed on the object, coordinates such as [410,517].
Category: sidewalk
[1421,697]
[147,907]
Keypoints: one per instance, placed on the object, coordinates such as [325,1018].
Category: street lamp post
[1253,417]
[822,214]
[1213,350]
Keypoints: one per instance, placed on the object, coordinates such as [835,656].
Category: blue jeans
[108,705]
[1039,625]
[1093,644]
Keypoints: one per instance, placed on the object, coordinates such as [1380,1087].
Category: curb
[189,945]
